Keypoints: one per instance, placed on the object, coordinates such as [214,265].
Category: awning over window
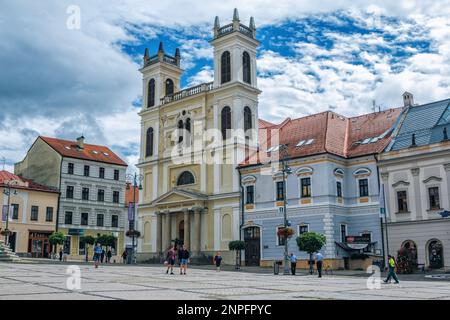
[353,246]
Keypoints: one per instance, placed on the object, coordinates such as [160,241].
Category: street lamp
[286,171]
[135,181]
[7,192]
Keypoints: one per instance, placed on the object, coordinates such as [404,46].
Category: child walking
[217,260]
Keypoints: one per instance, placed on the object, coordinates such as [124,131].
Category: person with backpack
[183,255]
[170,259]
[97,255]
[217,260]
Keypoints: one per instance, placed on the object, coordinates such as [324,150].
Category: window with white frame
[433,197]
[303,228]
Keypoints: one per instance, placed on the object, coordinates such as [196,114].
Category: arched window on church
[226,122]
[149,143]
[246,67]
[225,67]
[151,93]
[187,124]
[180,131]
[185,178]
[247,119]
[169,87]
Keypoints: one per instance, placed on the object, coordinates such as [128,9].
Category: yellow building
[191,142]
[31,215]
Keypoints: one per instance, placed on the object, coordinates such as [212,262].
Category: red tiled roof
[91,152]
[27,184]
[332,133]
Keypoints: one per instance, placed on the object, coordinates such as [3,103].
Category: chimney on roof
[80,142]
[408,99]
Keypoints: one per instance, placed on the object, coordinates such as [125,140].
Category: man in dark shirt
[183,255]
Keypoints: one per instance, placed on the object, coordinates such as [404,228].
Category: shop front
[38,244]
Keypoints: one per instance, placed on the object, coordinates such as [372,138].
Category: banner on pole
[5,212]
[130,211]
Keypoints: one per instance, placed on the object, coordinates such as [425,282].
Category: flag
[382,202]
[130,211]
[5,212]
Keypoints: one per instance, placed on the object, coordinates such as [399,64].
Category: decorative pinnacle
[216,23]
[252,23]
[177,52]
[146,54]
[161,48]
[236,15]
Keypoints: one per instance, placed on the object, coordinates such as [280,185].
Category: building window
[100,220]
[116,196]
[246,67]
[343,232]
[169,87]
[185,177]
[101,195]
[281,238]
[369,246]
[225,67]
[34,213]
[226,122]
[81,248]
[70,168]
[303,228]
[68,217]
[149,143]
[247,119]
[306,187]
[115,221]
[84,218]
[433,194]
[67,244]
[339,189]
[363,188]
[49,214]
[250,194]
[86,171]
[151,93]
[402,201]
[101,173]
[15,213]
[85,194]
[69,192]
[116,175]
[280,190]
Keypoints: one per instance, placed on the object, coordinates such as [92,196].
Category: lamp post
[135,181]
[285,170]
[8,193]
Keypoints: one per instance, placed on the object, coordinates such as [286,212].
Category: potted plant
[237,246]
[133,233]
[6,232]
[310,242]
[87,240]
[285,232]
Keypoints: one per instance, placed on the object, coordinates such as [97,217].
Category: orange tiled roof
[22,183]
[129,194]
[91,152]
[331,133]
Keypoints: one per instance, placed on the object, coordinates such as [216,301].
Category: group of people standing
[184,259]
[100,254]
[319,263]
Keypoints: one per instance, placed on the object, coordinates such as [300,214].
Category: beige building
[31,216]
[189,151]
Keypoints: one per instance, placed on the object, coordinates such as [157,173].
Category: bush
[236,245]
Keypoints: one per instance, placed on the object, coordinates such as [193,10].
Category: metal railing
[227,29]
[204,87]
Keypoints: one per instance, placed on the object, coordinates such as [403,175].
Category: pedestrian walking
[108,256]
[217,260]
[183,255]
[392,274]
[319,261]
[124,256]
[102,255]
[170,259]
[97,254]
[293,259]
[60,254]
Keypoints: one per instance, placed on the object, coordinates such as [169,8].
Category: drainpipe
[381,218]
[242,212]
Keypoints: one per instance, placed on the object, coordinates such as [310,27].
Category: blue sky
[338,55]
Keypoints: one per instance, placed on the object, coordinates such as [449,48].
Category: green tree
[107,240]
[310,242]
[57,238]
[87,240]
[237,246]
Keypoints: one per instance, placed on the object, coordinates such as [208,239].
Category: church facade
[191,143]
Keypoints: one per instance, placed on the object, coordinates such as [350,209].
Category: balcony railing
[166,58]
[204,87]
[227,29]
